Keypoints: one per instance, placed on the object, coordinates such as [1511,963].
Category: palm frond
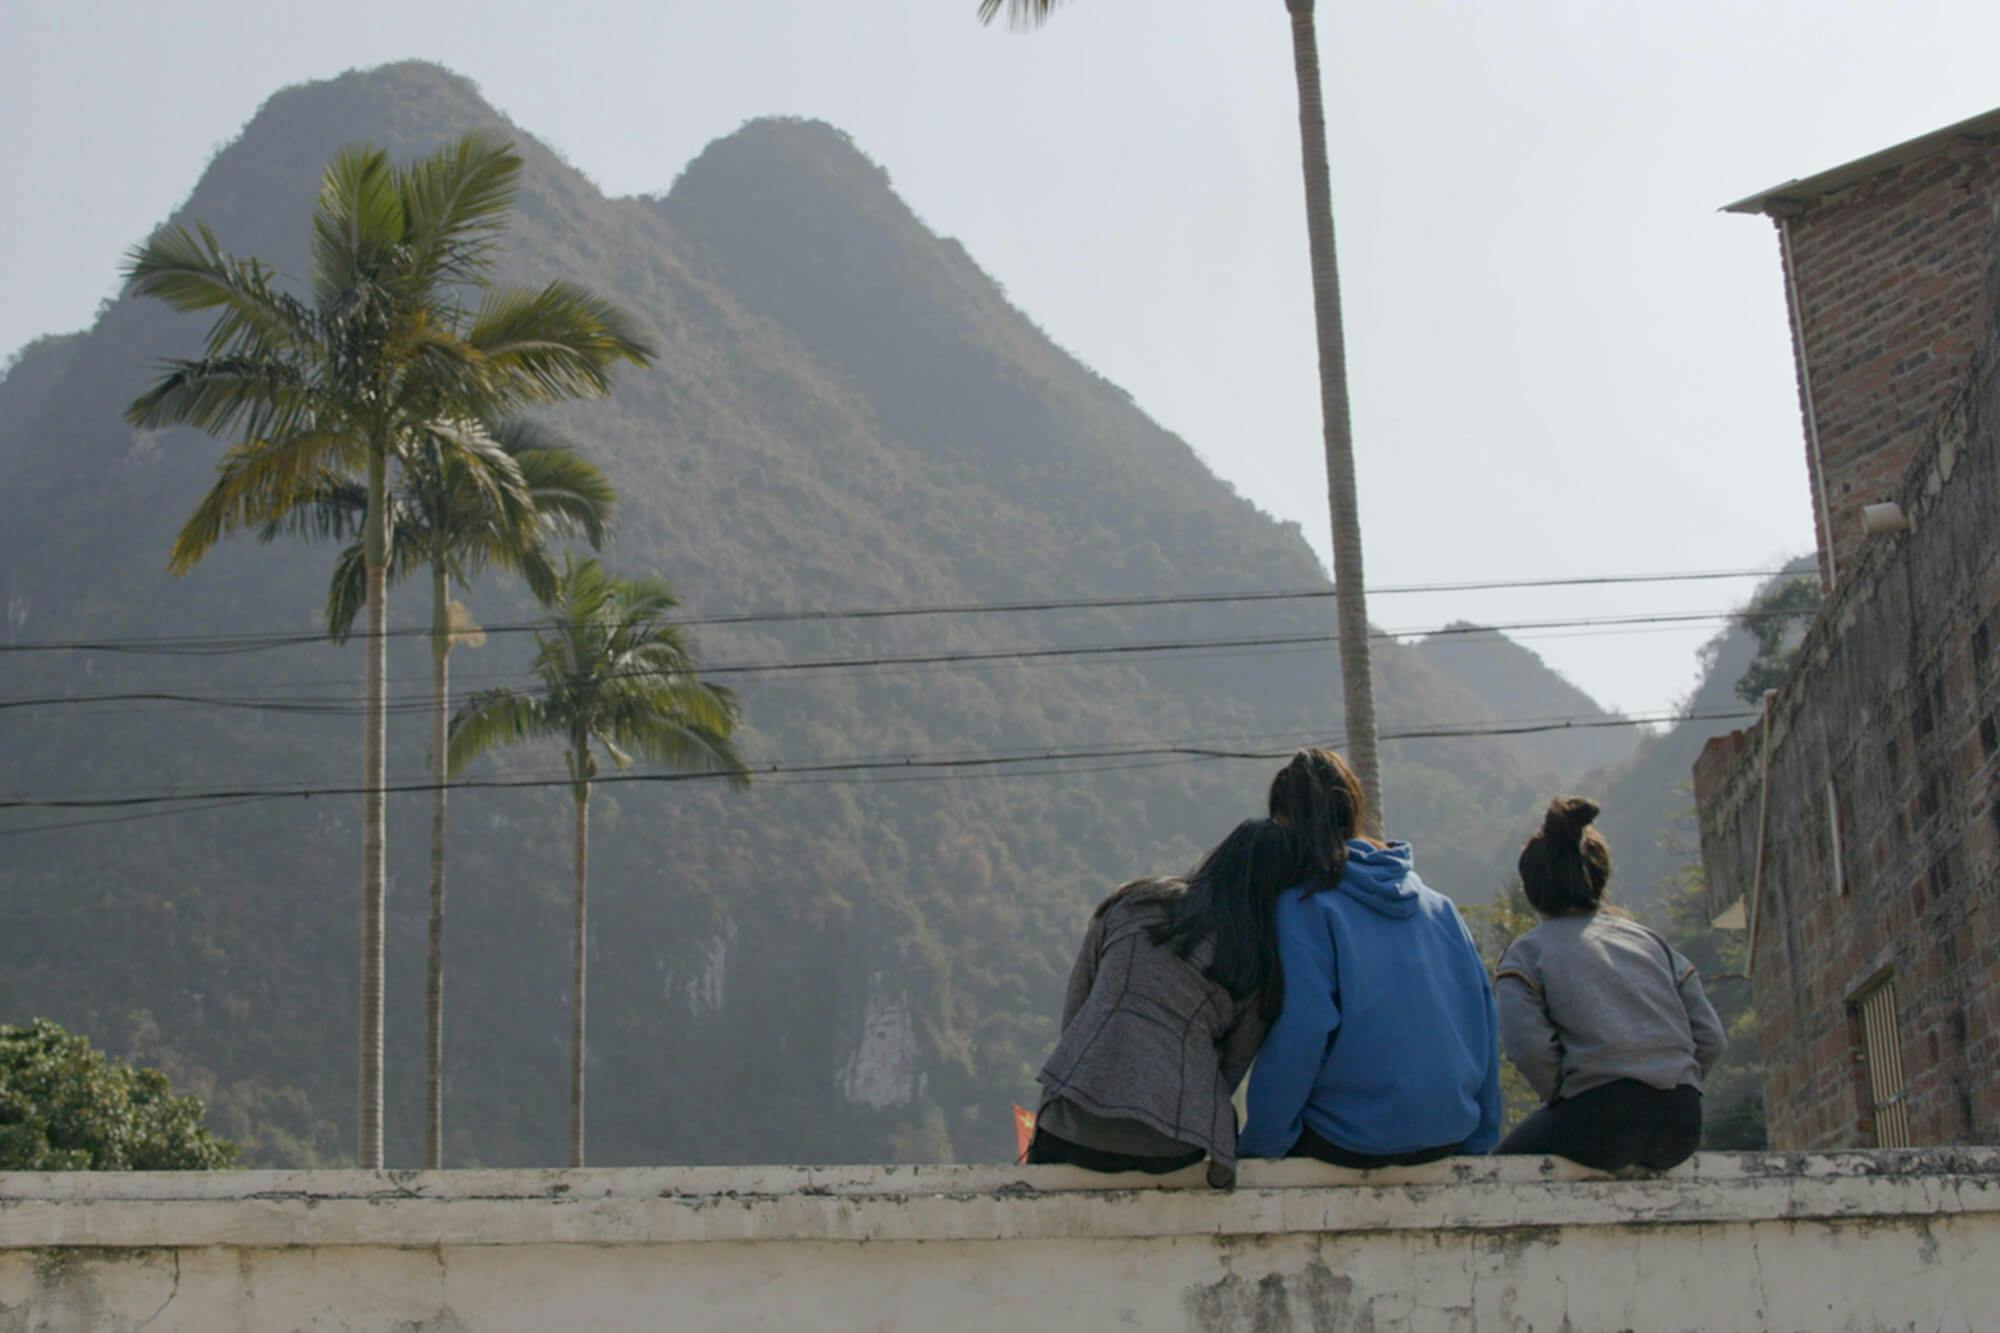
[644,600]
[493,718]
[659,652]
[678,696]
[1021,14]
[555,343]
[535,569]
[456,203]
[470,460]
[357,223]
[346,591]
[571,494]
[438,373]
[333,508]
[670,738]
[258,483]
[589,593]
[190,271]
[261,395]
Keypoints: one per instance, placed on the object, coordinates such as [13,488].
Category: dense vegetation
[1776,618]
[844,412]
[66,1106]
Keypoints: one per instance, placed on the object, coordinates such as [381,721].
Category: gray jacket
[1147,1037]
[1587,1000]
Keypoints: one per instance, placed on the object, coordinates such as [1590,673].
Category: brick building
[1858,825]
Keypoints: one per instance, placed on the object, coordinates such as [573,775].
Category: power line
[208,645]
[135,818]
[349,704]
[1226,740]
[353,705]
[910,764]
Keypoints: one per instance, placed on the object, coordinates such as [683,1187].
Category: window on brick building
[1882,1056]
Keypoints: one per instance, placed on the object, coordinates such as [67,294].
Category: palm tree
[382,357]
[1356,670]
[443,521]
[614,674]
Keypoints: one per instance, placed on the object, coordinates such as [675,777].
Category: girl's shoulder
[1139,895]
[1610,920]
[1125,915]
[1526,947]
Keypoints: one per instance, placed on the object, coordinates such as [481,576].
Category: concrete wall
[1760,1241]
[1888,718]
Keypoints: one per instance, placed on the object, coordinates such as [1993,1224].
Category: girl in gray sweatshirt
[1604,1018]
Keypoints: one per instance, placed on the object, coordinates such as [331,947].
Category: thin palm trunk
[434,961]
[368,1129]
[579,962]
[1351,601]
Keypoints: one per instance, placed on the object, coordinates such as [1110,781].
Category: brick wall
[1896,703]
[1893,293]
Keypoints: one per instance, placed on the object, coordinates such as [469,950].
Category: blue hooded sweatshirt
[1388,1042]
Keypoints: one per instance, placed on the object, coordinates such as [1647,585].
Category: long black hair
[1567,865]
[1230,902]
[1320,799]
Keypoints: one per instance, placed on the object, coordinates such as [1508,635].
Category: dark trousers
[1620,1124]
[1312,1145]
[1046,1147]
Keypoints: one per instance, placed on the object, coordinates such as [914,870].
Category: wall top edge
[671,1206]
[864,1180]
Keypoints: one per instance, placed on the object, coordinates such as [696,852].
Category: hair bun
[1567,818]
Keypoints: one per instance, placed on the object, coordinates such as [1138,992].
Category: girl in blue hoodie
[1386,1051]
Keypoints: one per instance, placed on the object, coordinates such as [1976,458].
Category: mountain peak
[407,107]
[788,141]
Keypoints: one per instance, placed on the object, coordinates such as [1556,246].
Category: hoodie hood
[1380,878]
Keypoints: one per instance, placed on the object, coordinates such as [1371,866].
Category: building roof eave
[1795,196]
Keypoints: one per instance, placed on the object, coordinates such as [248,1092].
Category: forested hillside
[845,412]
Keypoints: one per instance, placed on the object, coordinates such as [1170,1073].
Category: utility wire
[1229,739]
[348,704]
[870,766]
[401,703]
[208,645]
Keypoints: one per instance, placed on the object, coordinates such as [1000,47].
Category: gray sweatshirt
[1147,1038]
[1588,1000]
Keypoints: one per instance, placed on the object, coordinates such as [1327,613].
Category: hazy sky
[1563,360]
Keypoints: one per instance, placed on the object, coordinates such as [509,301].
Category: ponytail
[1320,799]
[1567,865]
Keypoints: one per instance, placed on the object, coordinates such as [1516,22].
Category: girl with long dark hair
[1604,1018]
[1385,1050]
[1173,988]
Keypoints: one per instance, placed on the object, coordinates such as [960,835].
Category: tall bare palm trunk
[579,962]
[368,1117]
[1356,672]
[434,960]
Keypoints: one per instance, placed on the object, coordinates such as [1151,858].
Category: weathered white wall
[1854,1241]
